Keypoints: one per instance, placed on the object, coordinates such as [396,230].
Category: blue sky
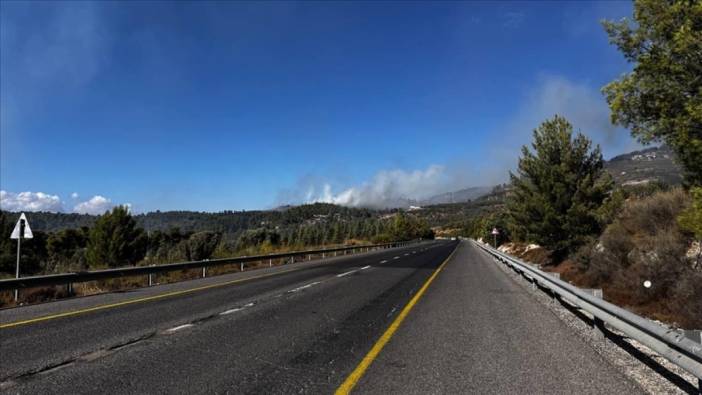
[233,105]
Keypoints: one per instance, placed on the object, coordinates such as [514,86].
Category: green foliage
[66,250]
[115,240]
[408,227]
[481,226]
[200,246]
[661,98]
[559,189]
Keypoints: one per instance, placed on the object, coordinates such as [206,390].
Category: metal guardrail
[667,342]
[79,277]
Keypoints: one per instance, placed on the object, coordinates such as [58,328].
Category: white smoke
[388,188]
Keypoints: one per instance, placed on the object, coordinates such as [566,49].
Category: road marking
[304,286]
[177,328]
[397,257]
[138,300]
[347,273]
[385,261]
[231,311]
[365,267]
[355,376]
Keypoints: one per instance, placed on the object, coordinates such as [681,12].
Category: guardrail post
[309,257]
[270,262]
[597,324]
[204,271]
[241,267]
[554,295]
[696,336]
[69,289]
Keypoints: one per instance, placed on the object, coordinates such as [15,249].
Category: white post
[18,262]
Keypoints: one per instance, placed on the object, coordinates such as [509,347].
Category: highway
[436,317]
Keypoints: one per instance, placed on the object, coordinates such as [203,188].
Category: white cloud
[95,205]
[388,188]
[40,201]
[30,201]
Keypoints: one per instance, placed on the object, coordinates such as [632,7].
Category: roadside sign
[495,231]
[26,230]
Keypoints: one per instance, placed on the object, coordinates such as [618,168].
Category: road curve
[305,328]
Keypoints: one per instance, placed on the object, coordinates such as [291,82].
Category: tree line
[115,239]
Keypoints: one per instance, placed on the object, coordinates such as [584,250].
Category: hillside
[460,196]
[194,221]
[648,165]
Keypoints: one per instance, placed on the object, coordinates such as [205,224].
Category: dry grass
[645,244]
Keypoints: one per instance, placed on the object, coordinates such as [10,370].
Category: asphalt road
[305,328]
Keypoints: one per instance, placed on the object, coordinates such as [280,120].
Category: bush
[643,243]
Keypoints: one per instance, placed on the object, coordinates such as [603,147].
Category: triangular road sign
[27,230]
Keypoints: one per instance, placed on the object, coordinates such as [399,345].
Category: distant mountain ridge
[459,196]
[655,164]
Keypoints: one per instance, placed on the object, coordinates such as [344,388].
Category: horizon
[216,107]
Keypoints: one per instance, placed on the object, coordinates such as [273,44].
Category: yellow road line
[355,376]
[138,300]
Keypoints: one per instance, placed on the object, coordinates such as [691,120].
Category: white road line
[397,257]
[231,311]
[346,274]
[406,254]
[177,328]
[385,261]
[304,286]
[365,267]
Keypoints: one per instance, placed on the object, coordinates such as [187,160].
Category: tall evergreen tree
[115,240]
[660,99]
[558,188]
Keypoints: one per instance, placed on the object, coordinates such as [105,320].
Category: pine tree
[115,240]
[558,189]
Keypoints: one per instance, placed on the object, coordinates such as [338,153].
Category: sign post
[495,232]
[21,230]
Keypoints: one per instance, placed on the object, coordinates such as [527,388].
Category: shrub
[643,243]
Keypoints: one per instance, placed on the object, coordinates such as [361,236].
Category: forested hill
[193,221]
